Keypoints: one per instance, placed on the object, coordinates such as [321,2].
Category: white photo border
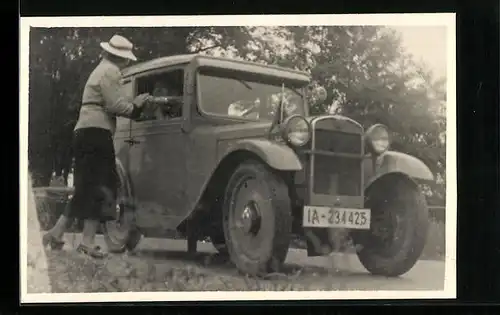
[428,19]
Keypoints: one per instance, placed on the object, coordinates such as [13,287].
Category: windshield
[246,97]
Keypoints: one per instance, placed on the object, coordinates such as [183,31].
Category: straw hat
[119,46]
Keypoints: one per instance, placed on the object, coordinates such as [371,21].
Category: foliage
[367,74]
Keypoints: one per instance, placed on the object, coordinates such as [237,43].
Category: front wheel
[257,219]
[398,230]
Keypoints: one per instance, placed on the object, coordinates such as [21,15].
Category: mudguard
[395,162]
[276,155]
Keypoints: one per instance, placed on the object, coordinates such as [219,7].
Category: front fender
[276,155]
[395,162]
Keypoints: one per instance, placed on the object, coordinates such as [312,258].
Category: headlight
[377,137]
[296,130]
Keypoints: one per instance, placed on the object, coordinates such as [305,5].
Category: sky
[426,43]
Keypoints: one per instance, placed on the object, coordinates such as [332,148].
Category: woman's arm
[114,99]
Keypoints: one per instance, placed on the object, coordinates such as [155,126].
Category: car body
[176,169]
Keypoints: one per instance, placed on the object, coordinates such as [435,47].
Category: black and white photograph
[198,158]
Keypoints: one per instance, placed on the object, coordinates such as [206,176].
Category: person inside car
[172,107]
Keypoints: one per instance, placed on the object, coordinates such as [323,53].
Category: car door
[157,170]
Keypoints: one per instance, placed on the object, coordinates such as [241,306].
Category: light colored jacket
[103,99]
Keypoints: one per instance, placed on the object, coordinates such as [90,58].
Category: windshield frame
[299,87]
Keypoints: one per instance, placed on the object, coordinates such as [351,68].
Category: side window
[167,91]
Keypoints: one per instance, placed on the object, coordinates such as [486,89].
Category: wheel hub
[387,229]
[250,218]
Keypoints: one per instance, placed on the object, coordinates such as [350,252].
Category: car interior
[167,91]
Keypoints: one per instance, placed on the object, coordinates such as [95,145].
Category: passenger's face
[160,90]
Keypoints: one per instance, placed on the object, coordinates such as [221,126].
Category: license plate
[328,217]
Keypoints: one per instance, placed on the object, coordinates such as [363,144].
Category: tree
[367,75]
[61,60]
[371,79]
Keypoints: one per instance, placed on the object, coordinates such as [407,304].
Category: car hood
[261,129]
[244,130]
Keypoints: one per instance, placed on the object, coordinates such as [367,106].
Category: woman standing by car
[95,170]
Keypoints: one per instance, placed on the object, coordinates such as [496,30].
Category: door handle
[132,141]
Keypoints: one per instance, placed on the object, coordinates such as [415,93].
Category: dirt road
[340,272]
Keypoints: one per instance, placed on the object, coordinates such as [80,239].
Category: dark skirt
[95,177]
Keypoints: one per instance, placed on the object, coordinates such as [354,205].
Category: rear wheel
[122,234]
[257,219]
[398,230]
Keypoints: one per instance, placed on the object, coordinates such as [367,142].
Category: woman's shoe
[94,252]
[49,239]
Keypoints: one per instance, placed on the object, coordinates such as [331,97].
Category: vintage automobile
[202,165]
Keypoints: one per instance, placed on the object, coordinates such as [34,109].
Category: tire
[393,200]
[122,234]
[260,246]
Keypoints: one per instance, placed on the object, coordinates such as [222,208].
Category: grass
[69,271]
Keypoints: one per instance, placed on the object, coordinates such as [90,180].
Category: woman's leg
[54,237]
[99,164]
[93,216]
[90,227]
[58,230]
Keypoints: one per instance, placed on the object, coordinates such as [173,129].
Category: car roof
[156,63]
[203,60]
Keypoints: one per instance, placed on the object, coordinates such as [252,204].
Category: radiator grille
[340,142]
[337,176]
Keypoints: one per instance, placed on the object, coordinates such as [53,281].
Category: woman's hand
[141,99]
